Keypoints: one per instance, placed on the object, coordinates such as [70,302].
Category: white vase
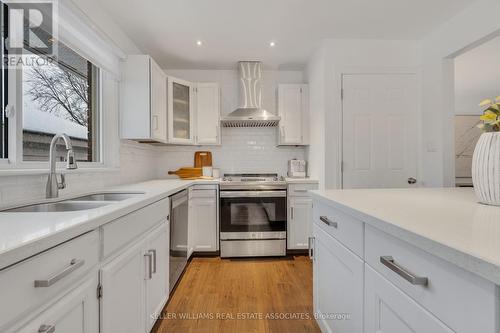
[486,168]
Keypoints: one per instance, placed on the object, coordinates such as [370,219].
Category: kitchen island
[397,260]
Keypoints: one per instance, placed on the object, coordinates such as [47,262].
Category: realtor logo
[31,27]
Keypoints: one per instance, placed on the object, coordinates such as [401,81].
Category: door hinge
[342,94]
[99,291]
[342,166]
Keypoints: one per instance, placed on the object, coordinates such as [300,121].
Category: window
[3,95]
[60,96]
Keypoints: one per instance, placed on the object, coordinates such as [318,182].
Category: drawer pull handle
[47,329]
[73,266]
[389,262]
[328,222]
[300,190]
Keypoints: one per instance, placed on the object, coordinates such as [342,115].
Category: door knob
[412,181]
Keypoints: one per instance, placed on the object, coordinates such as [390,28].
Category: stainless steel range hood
[250,113]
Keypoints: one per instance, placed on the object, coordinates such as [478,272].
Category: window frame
[14,163]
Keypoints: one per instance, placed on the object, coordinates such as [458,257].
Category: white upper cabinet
[207,114]
[143,100]
[293,108]
[158,103]
[180,111]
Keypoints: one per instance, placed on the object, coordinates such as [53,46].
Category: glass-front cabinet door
[180,111]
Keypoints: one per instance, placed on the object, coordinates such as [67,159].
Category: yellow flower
[486,102]
[488,116]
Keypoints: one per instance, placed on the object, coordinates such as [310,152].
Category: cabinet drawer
[124,230]
[463,301]
[346,229]
[300,190]
[56,269]
[196,193]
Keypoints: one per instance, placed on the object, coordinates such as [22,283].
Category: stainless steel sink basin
[107,197]
[61,206]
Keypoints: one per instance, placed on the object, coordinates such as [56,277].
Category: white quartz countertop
[25,234]
[446,222]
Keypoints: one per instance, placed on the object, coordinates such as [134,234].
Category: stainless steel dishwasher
[178,235]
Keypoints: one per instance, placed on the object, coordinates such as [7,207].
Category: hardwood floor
[242,295]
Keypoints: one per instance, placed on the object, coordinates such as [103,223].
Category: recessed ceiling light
[199,43]
[272,44]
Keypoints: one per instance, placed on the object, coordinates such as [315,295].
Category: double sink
[86,202]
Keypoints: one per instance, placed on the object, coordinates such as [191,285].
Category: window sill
[37,171]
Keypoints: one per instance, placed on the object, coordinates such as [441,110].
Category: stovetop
[253,181]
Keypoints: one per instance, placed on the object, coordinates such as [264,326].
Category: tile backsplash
[136,164]
[242,150]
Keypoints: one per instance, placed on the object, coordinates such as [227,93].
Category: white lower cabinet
[299,222]
[299,206]
[390,286]
[157,287]
[122,303]
[203,220]
[134,285]
[76,312]
[389,310]
[338,285]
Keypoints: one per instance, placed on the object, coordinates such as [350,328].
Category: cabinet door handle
[328,222]
[47,329]
[291,212]
[282,131]
[310,246]
[389,262]
[155,123]
[149,256]
[73,265]
[153,252]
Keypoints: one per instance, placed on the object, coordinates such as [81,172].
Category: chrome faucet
[53,186]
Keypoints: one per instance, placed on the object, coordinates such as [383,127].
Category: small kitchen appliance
[297,168]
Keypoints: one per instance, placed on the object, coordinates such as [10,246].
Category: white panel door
[123,283]
[157,287]
[337,285]
[77,312]
[299,222]
[158,103]
[380,117]
[290,108]
[203,219]
[389,310]
[207,114]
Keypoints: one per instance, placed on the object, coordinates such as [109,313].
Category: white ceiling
[233,30]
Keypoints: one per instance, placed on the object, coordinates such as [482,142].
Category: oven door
[253,214]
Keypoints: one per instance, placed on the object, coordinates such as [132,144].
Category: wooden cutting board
[187,172]
[202,158]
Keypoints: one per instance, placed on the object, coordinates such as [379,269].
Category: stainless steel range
[252,215]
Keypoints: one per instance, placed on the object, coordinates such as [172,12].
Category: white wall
[243,149]
[316,77]
[129,162]
[334,58]
[477,77]
[471,27]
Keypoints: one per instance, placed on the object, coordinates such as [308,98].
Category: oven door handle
[252,194]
